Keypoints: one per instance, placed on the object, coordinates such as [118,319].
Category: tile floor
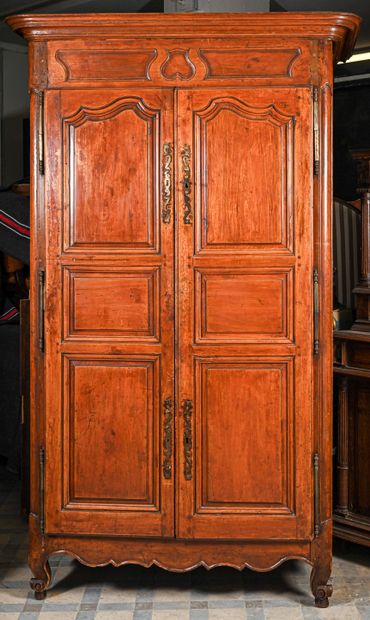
[135,593]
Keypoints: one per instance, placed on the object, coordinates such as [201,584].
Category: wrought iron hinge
[316,134]
[316,490]
[42,488]
[316,312]
[41,308]
[41,133]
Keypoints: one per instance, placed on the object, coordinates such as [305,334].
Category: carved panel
[105,64]
[237,305]
[242,404]
[111,183]
[111,303]
[178,65]
[245,168]
[253,63]
[110,433]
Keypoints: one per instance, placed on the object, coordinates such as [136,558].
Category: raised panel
[111,169]
[236,305]
[111,433]
[105,64]
[244,436]
[112,302]
[244,171]
[242,63]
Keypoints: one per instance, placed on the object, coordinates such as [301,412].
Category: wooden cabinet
[352,393]
[181,296]
[352,436]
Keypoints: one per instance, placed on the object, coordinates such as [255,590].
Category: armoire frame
[181,296]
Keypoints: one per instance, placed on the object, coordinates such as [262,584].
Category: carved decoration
[103,64]
[167,183]
[167,439]
[110,110]
[39,588]
[320,587]
[187,407]
[178,65]
[248,63]
[186,183]
[178,564]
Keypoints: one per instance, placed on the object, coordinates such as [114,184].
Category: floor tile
[134,593]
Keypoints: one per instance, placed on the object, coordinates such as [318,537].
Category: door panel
[121,440]
[109,314]
[251,391]
[254,293]
[111,156]
[245,314]
[112,302]
[232,199]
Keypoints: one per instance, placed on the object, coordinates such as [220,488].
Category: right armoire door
[245,313]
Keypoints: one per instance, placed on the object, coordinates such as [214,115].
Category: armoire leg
[40,582]
[321,590]
[38,559]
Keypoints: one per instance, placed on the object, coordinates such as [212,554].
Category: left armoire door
[109,303]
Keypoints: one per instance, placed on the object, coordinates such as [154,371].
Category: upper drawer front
[178,62]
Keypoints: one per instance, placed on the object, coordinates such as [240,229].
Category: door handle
[186,183]
[167,183]
[187,412]
[167,438]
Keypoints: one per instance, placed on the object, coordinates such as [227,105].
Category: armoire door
[109,312]
[244,324]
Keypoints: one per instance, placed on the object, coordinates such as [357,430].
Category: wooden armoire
[181,316]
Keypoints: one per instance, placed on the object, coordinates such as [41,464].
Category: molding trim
[341,28]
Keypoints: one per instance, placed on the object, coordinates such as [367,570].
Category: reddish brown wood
[179,222]
[343,448]
[25,402]
[262,488]
[352,501]
[352,373]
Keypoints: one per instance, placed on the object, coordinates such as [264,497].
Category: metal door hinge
[42,488]
[316,133]
[316,312]
[41,133]
[41,308]
[316,487]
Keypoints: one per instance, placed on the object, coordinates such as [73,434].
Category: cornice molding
[341,28]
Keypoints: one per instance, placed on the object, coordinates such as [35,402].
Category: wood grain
[198,328]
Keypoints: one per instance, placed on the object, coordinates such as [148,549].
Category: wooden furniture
[181,299]
[25,404]
[362,291]
[352,380]
[346,259]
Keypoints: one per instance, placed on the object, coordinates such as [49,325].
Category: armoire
[181,299]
